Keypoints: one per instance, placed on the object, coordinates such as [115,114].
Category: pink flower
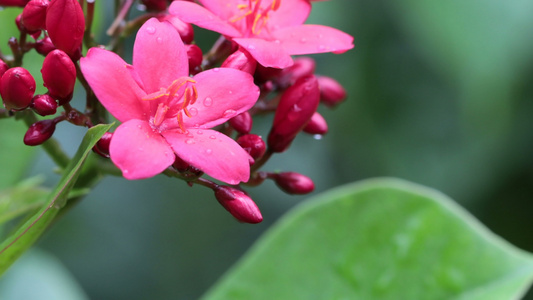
[271,30]
[164,111]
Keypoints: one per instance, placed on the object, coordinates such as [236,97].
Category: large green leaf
[20,199]
[22,238]
[380,239]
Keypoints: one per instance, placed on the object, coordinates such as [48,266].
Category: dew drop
[189,141]
[139,126]
[319,36]
[208,151]
[159,40]
[216,69]
[303,40]
[251,47]
[230,92]
[208,102]
[294,113]
[229,113]
[212,137]
[199,132]
[150,29]
[321,47]
[189,135]
[193,111]
[317,136]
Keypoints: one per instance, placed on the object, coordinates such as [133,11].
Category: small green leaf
[13,166]
[380,239]
[21,199]
[22,238]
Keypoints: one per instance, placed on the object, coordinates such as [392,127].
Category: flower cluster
[182,112]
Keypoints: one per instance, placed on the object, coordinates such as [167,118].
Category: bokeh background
[440,93]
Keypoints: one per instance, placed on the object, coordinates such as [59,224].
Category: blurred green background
[440,93]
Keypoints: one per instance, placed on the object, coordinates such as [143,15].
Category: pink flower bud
[185,30]
[253,144]
[294,183]
[195,55]
[242,122]
[39,132]
[65,24]
[296,107]
[102,146]
[34,15]
[331,92]
[20,3]
[3,68]
[44,46]
[240,60]
[155,5]
[238,204]
[17,87]
[59,75]
[44,105]
[317,125]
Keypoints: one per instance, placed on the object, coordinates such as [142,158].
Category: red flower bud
[17,87]
[238,204]
[240,60]
[34,15]
[102,146]
[331,92]
[20,3]
[253,144]
[65,25]
[185,30]
[294,183]
[296,107]
[242,122]
[39,132]
[44,46]
[195,55]
[3,68]
[44,105]
[155,5]
[303,66]
[317,125]
[59,75]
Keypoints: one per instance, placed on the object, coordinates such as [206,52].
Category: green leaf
[22,238]
[379,239]
[22,198]
[13,166]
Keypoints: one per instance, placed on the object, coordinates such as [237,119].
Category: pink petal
[289,13]
[212,152]
[159,56]
[307,39]
[111,80]
[193,13]
[268,54]
[139,151]
[222,94]
[224,9]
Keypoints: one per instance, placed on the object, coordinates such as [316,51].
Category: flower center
[255,16]
[173,101]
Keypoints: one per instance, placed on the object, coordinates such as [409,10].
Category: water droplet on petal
[319,36]
[208,102]
[193,111]
[321,47]
[189,141]
[303,40]
[229,113]
[159,40]
[216,69]
[294,113]
[139,126]
[251,47]
[212,137]
[200,132]
[230,92]
[208,151]
[150,29]
[189,135]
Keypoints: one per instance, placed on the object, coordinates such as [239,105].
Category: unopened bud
[238,204]
[294,183]
[253,144]
[39,132]
[19,3]
[240,60]
[185,30]
[44,46]
[65,24]
[44,105]
[3,68]
[242,122]
[34,15]
[331,92]
[195,56]
[155,5]
[102,146]
[17,87]
[317,125]
[296,107]
[59,75]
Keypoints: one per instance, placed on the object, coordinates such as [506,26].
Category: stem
[112,31]
[258,164]
[51,146]
[87,36]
